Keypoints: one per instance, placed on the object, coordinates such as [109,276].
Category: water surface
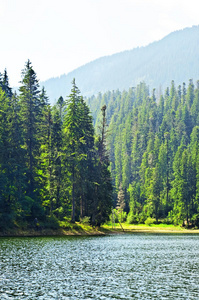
[130,266]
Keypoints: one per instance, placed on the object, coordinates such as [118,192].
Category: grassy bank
[153,228]
[80,229]
[69,229]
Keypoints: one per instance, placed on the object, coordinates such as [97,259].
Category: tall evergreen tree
[5,85]
[31,115]
[73,139]
[103,186]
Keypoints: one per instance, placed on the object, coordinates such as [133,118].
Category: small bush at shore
[149,221]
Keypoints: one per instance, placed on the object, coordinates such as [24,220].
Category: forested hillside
[175,57]
[53,167]
[154,151]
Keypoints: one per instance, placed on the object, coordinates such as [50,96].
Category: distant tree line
[52,165]
[154,151]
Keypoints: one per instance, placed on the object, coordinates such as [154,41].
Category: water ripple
[141,266]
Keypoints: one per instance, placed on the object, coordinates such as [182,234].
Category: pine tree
[58,174]
[155,189]
[103,185]
[86,162]
[190,94]
[45,133]
[31,116]
[5,85]
[79,137]
[5,168]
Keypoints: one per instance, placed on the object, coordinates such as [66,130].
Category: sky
[60,36]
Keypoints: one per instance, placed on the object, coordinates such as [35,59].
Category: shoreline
[90,231]
[49,232]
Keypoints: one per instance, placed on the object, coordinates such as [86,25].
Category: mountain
[175,57]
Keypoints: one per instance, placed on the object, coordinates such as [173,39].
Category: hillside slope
[175,57]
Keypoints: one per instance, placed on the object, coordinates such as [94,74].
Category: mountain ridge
[174,57]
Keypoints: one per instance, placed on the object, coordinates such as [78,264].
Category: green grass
[144,227]
[67,228]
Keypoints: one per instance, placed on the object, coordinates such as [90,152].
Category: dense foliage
[154,151]
[52,167]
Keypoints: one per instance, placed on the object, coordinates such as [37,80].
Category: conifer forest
[154,152]
[52,166]
[59,162]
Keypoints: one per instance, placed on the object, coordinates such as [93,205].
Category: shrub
[51,222]
[131,218]
[85,220]
[149,221]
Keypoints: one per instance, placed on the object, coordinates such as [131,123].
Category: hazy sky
[61,35]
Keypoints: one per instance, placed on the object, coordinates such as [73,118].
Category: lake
[123,266]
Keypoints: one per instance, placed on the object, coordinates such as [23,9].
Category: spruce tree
[5,85]
[5,167]
[103,186]
[58,174]
[73,139]
[31,116]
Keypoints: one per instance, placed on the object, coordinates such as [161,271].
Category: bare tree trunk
[94,206]
[73,194]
